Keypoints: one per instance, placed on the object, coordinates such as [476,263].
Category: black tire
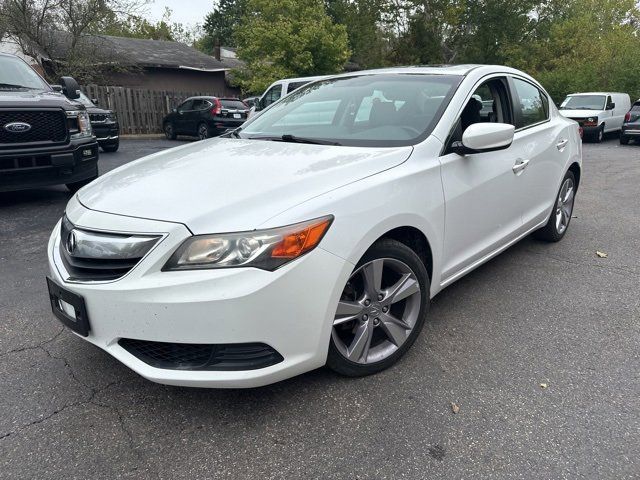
[111,147]
[624,140]
[169,131]
[599,136]
[550,232]
[204,131]
[74,187]
[388,249]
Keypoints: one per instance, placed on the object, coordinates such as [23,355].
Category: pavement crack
[33,347]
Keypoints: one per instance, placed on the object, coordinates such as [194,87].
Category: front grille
[98,256]
[193,356]
[47,127]
[98,117]
[30,161]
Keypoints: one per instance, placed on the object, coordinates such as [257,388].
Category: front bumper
[33,168]
[290,310]
[632,130]
[106,132]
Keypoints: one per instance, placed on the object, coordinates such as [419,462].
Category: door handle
[562,143]
[520,166]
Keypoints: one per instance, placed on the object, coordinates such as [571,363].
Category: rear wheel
[558,223]
[169,131]
[381,311]
[203,131]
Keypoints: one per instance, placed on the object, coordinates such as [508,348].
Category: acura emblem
[71,242]
[17,127]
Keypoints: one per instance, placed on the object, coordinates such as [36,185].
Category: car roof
[595,93]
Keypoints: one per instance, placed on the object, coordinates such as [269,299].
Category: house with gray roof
[156,65]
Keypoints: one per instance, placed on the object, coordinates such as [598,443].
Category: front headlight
[111,117]
[265,249]
[80,124]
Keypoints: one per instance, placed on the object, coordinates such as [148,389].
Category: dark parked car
[104,124]
[45,133]
[205,117]
[631,125]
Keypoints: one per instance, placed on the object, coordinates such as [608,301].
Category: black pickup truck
[45,133]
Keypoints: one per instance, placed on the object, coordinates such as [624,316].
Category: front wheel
[111,147]
[560,218]
[599,137]
[169,131]
[381,311]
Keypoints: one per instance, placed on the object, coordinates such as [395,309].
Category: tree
[220,25]
[288,38]
[136,26]
[52,29]
[363,19]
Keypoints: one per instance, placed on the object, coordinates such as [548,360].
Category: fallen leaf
[544,385]
[455,408]
[601,254]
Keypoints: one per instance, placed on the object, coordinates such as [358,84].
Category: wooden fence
[139,111]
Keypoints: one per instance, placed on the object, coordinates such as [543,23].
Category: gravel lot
[537,314]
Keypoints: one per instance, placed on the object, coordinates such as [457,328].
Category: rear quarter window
[237,104]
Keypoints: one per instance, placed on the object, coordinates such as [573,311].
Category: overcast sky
[184,11]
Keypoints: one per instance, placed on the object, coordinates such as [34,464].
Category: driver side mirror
[70,88]
[95,101]
[259,105]
[611,106]
[484,137]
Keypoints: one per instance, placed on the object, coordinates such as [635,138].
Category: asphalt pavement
[539,349]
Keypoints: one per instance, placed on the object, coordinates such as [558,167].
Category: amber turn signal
[294,244]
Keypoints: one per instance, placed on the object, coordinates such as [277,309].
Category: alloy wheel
[168,131]
[564,206]
[377,312]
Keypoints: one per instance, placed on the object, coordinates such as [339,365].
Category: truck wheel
[111,147]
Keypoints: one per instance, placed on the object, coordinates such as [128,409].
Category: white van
[597,112]
[279,89]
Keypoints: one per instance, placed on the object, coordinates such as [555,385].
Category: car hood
[580,113]
[225,185]
[36,98]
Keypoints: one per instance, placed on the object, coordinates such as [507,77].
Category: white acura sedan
[318,232]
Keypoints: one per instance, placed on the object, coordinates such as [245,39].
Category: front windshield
[368,110]
[83,99]
[15,74]
[583,102]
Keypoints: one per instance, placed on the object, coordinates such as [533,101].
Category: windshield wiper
[11,85]
[294,139]
[312,141]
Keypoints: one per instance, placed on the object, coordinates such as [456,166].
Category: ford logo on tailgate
[17,127]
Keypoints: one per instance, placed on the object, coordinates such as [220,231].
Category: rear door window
[294,86]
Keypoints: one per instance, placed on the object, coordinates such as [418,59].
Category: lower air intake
[186,356]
